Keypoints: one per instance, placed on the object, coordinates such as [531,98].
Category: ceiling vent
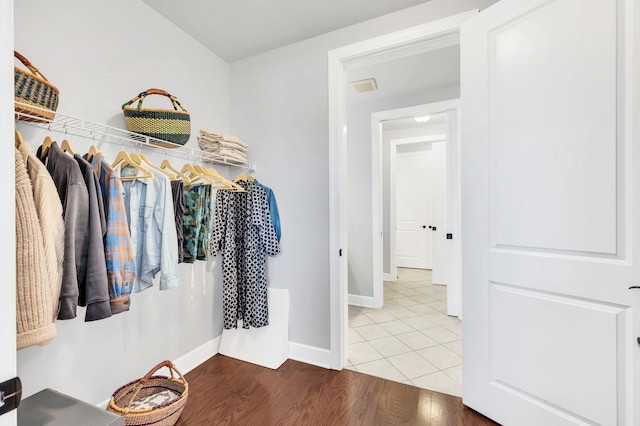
[362,86]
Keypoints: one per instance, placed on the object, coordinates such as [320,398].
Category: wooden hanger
[66,147]
[126,160]
[195,175]
[230,185]
[142,160]
[240,177]
[46,144]
[19,139]
[93,150]
[218,181]
[166,164]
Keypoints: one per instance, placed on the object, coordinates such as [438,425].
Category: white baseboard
[191,360]
[364,301]
[389,277]
[310,355]
[188,361]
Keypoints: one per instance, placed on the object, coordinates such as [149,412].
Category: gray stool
[52,408]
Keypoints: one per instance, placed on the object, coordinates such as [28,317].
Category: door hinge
[340,252]
[10,395]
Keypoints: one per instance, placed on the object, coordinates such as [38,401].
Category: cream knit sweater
[49,209]
[34,304]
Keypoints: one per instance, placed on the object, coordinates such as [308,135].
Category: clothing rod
[104,133]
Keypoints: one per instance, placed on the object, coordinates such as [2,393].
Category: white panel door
[413,236]
[437,173]
[551,212]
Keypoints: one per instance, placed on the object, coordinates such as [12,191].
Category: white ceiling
[238,29]
[406,75]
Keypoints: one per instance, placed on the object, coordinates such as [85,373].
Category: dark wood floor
[225,391]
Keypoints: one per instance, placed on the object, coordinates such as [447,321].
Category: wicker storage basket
[32,89]
[171,125]
[165,414]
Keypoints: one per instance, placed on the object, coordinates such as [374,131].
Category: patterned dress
[244,234]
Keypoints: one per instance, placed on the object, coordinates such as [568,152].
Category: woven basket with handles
[38,97]
[171,125]
[165,414]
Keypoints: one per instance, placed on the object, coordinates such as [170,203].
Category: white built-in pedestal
[266,346]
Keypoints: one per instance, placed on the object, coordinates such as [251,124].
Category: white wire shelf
[103,133]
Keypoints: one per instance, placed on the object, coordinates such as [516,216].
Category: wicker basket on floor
[166,414]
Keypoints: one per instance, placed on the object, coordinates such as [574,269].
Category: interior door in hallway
[551,212]
[413,215]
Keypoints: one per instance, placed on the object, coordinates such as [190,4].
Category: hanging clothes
[244,234]
[273,208]
[149,207]
[197,222]
[177,191]
[118,248]
[94,288]
[224,242]
[35,308]
[260,240]
[74,197]
[49,209]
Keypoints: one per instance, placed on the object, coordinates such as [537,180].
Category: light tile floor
[411,339]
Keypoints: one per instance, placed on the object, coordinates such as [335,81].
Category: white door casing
[550,97]
[7,215]
[413,212]
[438,176]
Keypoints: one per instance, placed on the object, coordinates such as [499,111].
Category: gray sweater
[94,289]
[73,194]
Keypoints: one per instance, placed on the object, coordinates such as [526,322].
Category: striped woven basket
[35,94]
[173,126]
[165,414]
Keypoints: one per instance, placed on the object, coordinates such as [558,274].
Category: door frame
[338,249]
[7,221]
[393,157]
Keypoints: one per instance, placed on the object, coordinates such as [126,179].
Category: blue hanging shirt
[273,208]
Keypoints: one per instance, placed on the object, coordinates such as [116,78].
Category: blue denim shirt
[149,207]
[273,208]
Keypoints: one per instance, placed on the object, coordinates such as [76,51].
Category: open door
[551,212]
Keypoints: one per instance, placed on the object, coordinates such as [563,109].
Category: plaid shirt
[118,249]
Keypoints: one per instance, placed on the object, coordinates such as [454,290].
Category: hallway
[411,339]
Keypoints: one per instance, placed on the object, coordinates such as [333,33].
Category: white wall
[279,105]
[101,54]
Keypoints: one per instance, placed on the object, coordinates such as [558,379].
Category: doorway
[339,60]
[419,193]
[411,339]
